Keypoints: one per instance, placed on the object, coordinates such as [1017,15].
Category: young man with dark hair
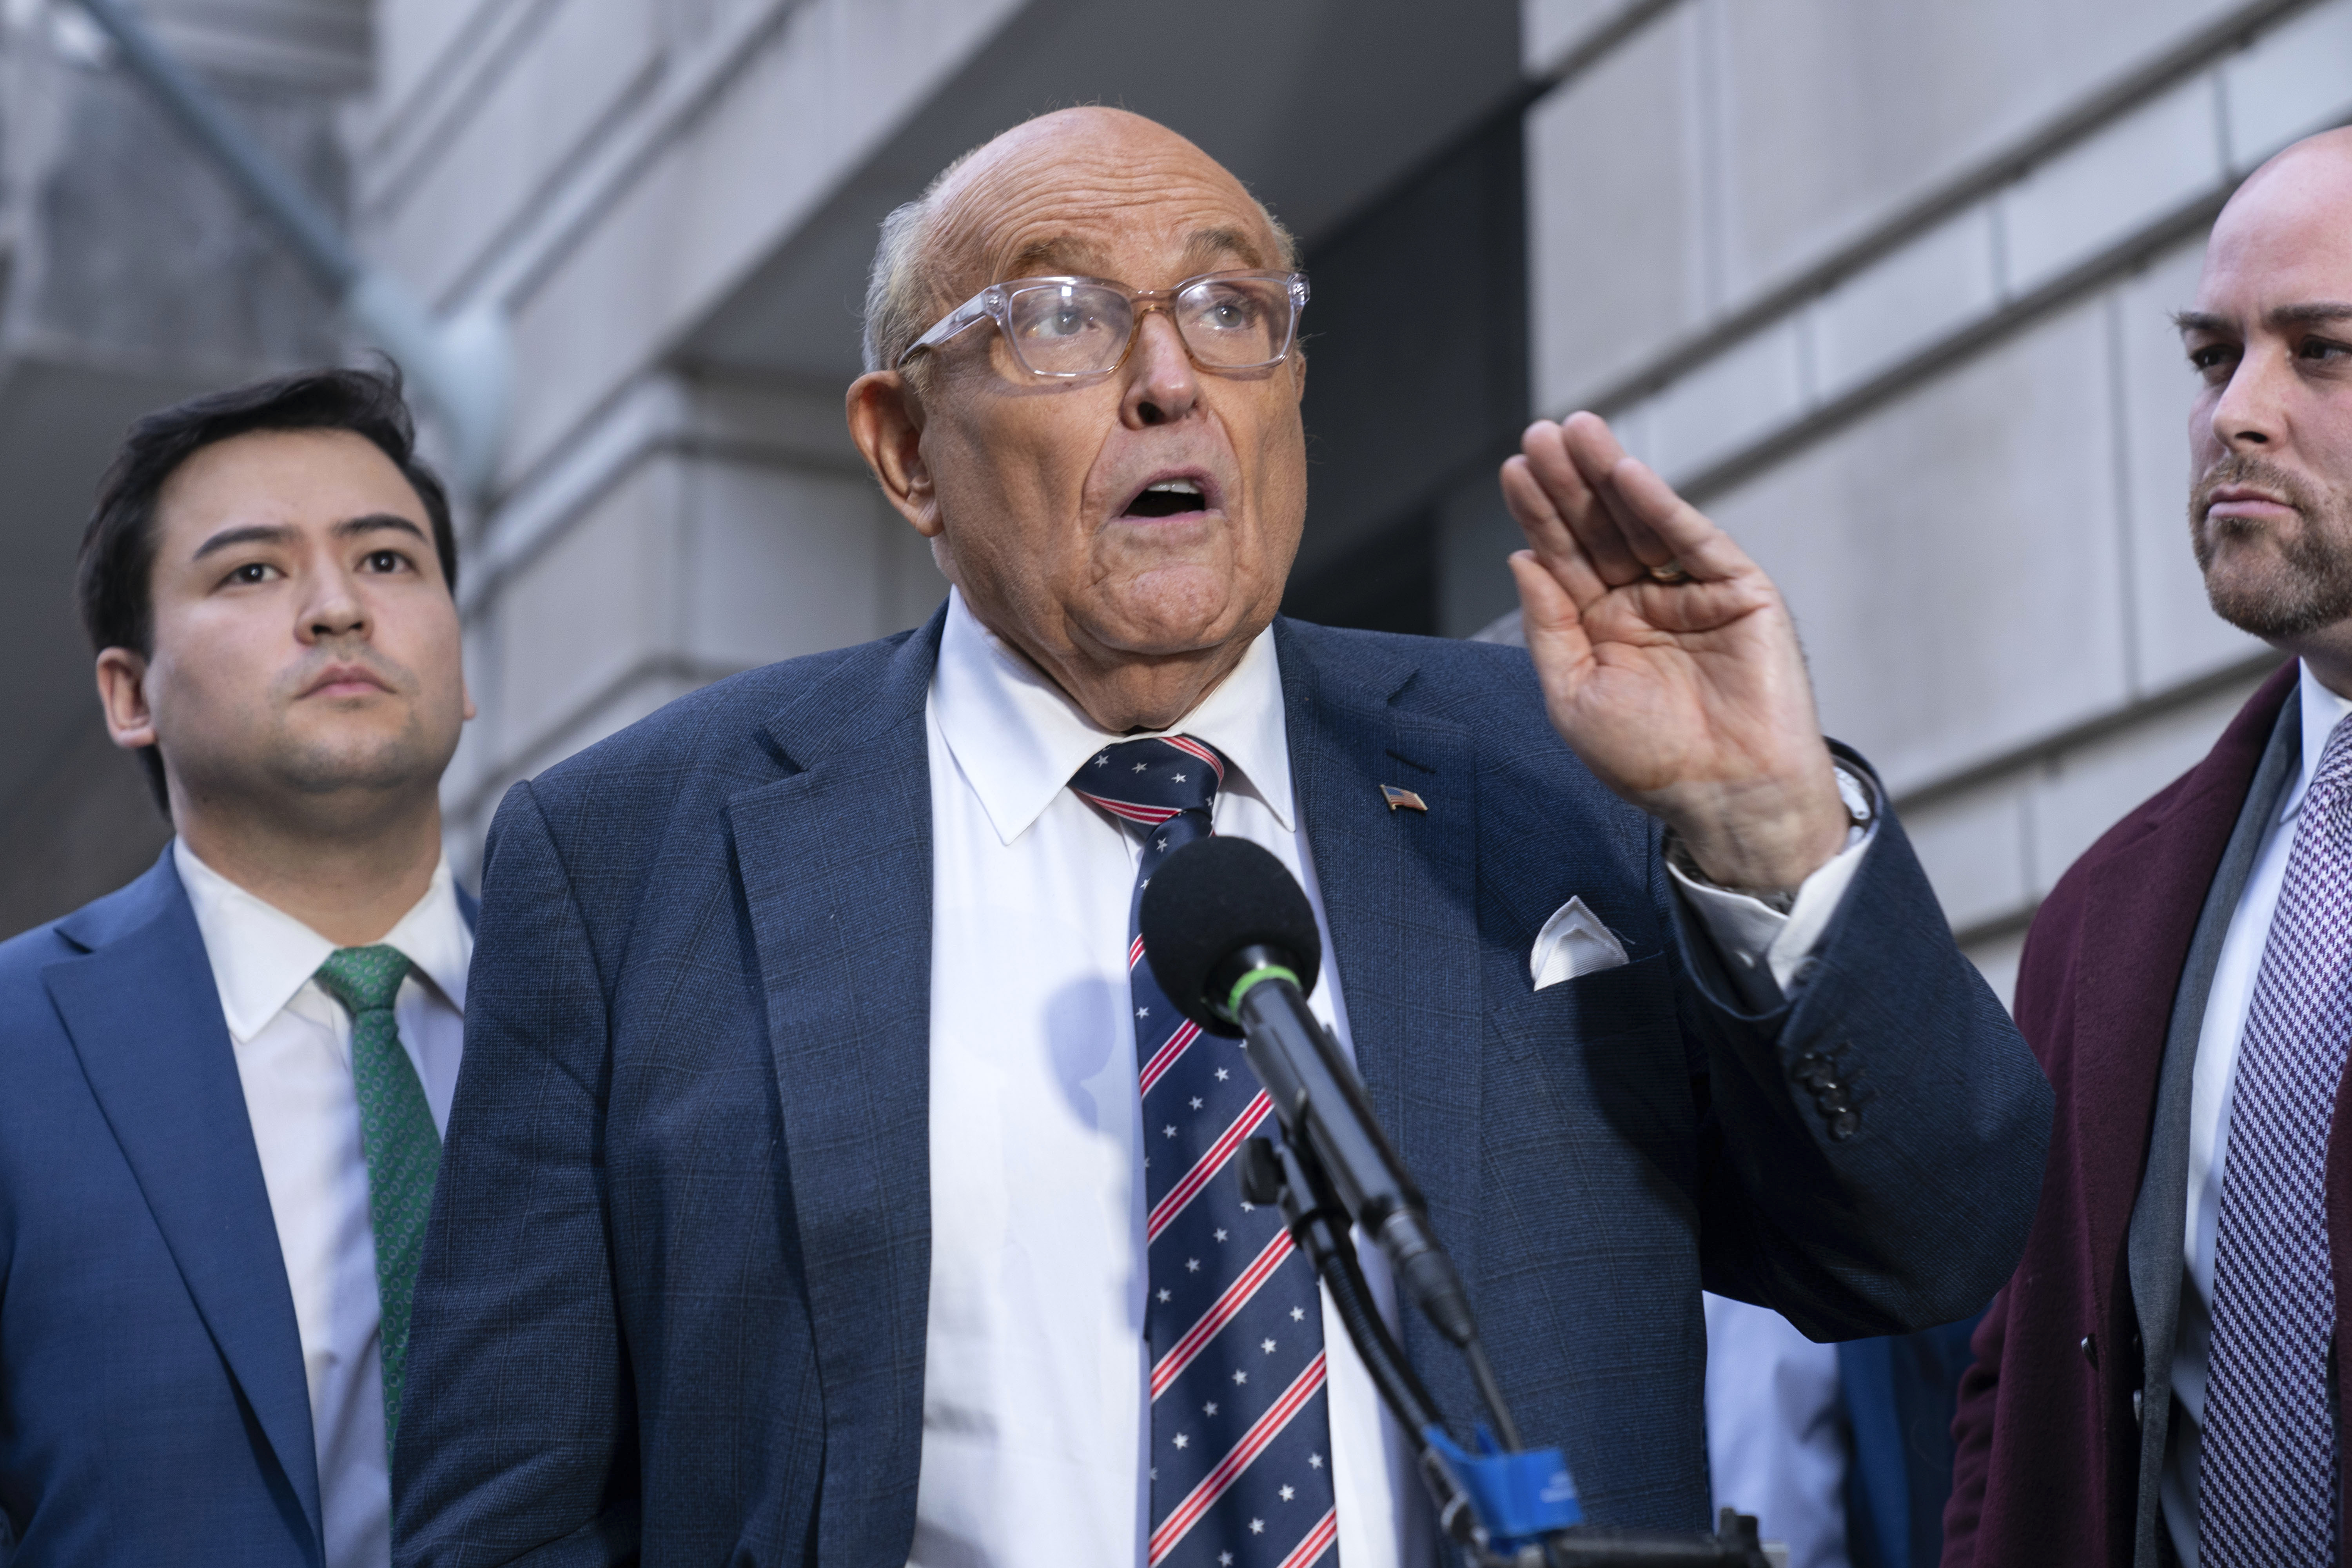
[224,1083]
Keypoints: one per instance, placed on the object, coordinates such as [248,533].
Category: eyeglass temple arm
[971,311]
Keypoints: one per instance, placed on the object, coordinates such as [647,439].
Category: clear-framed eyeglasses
[1068,329]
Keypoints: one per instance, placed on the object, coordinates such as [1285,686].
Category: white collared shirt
[293,1046]
[1035,1424]
[2213,1087]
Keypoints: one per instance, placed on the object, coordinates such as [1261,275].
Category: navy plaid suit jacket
[674,1297]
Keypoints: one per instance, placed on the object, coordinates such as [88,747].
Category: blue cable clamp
[1519,1498]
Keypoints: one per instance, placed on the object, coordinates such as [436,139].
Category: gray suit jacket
[2161,1211]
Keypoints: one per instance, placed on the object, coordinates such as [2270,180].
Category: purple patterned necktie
[2266,1474]
[1241,1447]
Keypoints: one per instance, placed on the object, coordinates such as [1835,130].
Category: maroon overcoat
[2047,1446]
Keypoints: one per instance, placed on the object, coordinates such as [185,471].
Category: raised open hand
[1668,662]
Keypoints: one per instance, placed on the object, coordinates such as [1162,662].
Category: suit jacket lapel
[2159,1211]
[145,1019]
[2152,1242]
[2141,910]
[1400,892]
[835,864]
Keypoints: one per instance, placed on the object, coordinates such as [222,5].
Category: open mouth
[1169,498]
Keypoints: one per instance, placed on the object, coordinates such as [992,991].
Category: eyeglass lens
[1082,329]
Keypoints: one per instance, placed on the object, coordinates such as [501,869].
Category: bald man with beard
[831,1182]
[2162,1380]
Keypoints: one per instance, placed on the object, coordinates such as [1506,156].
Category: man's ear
[123,692]
[885,420]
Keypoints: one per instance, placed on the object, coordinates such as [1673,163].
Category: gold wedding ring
[1672,571]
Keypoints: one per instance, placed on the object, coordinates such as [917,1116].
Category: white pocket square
[1573,942]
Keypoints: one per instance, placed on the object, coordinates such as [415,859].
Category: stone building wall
[1884,285]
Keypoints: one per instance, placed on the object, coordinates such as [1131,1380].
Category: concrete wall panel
[2102,190]
[1973,847]
[787,563]
[796,118]
[501,149]
[1949,555]
[600,601]
[1881,316]
[408,53]
[2289,83]
[1614,260]
[1837,110]
[1734,399]
[1550,30]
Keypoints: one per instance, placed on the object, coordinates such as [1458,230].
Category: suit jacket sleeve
[1872,1148]
[516,1436]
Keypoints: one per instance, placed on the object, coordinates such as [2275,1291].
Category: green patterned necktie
[396,1132]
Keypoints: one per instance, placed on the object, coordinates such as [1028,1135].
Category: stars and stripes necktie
[1240,1445]
[396,1135]
[2267,1468]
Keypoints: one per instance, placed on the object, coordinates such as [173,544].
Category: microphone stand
[1293,1175]
[1232,942]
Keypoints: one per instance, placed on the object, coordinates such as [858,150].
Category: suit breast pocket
[1599,1063]
[1621,999]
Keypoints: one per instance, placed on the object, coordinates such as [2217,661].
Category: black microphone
[1231,940]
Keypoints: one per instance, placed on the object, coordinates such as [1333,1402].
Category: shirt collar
[261,955]
[1019,739]
[2321,711]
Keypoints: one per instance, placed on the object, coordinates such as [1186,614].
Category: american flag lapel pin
[1403,797]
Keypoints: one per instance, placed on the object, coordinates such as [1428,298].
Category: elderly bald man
[828,1182]
[2162,1380]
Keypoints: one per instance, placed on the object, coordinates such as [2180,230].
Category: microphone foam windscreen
[1210,900]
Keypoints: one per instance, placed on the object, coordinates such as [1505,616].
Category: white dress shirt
[1035,1422]
[293,1046]
[2215,1082]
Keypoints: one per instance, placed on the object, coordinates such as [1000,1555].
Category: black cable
[1506,1429]
[1392,1375]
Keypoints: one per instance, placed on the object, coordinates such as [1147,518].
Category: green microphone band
[1264,972]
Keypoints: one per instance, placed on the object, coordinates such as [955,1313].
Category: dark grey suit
[2155,1238]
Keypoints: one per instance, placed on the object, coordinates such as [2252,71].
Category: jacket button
[2139,1412]
[1843,1125]
[2090,1350]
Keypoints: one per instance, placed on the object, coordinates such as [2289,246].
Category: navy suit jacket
[152,1402]
[673,1294]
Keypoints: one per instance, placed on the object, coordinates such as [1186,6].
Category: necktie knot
[2335,768]
[1146,782]
[365,979]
